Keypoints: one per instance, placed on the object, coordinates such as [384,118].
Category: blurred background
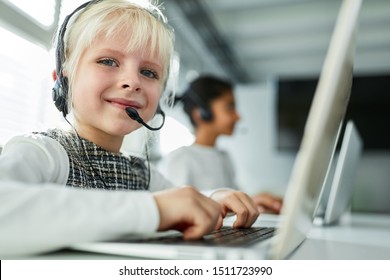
[272,50]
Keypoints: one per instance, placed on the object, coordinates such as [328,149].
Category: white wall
[260,166]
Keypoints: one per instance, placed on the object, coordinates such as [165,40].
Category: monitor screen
[369,108]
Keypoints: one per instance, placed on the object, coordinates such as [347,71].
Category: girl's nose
[131,86]
[131,81]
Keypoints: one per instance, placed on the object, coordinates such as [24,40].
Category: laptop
[326,113]
[336,194]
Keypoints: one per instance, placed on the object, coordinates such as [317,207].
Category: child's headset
[204,108]
[61,85]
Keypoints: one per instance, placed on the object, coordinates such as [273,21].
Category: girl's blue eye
[150,74]
[108,62]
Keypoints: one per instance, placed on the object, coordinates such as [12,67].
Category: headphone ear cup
[205,114]
[204,110]
[60,95]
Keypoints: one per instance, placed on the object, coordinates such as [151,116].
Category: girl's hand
[268,203]
[239,203]
[187,210]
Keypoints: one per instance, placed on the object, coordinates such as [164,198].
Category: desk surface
[358,236]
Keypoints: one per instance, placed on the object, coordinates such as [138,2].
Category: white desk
[358,236]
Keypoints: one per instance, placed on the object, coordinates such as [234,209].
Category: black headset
[61,85]
[204,108]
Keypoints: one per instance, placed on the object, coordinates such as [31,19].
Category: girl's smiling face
[107,80]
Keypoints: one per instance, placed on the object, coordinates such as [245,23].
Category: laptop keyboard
[226,236]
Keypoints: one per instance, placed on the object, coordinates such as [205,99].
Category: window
[33,20]
[174,135]
[34,10]
[26,30]
[25,86]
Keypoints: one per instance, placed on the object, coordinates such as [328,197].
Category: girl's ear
[54,75]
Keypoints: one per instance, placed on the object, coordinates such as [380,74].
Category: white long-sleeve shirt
[38,213]
[201,166]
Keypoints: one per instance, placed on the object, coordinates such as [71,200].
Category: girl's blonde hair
[142,19]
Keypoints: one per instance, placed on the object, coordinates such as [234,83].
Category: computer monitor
[327,111]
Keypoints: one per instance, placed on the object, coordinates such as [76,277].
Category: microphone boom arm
[133,114]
